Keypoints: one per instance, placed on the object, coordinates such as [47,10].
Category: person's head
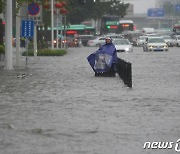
[108,40]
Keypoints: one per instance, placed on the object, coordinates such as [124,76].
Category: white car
[96,42]
[170,42]
[123,45]
[155,44]
[178,40]
[141,40]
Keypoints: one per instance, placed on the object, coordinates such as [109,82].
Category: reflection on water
[60,107]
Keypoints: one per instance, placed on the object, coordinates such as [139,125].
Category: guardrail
[124,70]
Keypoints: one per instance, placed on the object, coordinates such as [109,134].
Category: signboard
[35,13]
[177,8]
[27,28]
[156,12]
[33,9]
[37,20]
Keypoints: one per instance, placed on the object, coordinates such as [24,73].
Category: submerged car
[155,44]
[96,42]
[123,45]
[178,40]
[86,38]
[141,40]
[169,41]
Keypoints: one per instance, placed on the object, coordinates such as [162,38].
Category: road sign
[27,28]
[33,9]
[177,8]
[156,12]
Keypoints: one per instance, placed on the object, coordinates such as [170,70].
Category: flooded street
[59,107]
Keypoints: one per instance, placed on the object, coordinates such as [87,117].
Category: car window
[121,42]
[166,37]
[156,40]
[143,37]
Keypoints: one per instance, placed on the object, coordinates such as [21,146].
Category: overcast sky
[141,6]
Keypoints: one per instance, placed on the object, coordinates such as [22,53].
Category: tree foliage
[80,10]
[118,8]
[2,4]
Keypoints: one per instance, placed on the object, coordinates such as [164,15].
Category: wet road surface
[59,107]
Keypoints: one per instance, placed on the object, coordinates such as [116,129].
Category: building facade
[159,3]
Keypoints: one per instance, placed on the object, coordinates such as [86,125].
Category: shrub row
[2,49]
[46,52]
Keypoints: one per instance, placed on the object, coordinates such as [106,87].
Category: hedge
[2,49]
[46,52]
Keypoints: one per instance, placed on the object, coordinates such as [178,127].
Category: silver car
[155,44]
[141,40]
[170,41]
[123,45]
[96,42]
[178,40]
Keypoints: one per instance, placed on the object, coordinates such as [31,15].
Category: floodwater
[59,107]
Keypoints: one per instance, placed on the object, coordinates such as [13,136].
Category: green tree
[2,6]
[78,9]
[99,9]
[118,8]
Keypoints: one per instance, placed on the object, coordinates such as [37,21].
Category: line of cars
[121,44]
[158,42]
[170,41]
[151,42]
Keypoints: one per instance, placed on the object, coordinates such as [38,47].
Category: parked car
[123,45]
[155,44]
[96,42]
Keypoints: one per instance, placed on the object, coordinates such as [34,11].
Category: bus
[80,30]
[126,25]
[176,29]
[109,24]
[68,33]
[112,24]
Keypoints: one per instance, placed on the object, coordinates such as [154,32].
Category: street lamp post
[52,24]
[8,37]
[57,40]
[58,6]
[18,37]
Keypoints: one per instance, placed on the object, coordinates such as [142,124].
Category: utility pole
[57,28]
[17,37]
[8,37]
[35,38]
[52,24]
